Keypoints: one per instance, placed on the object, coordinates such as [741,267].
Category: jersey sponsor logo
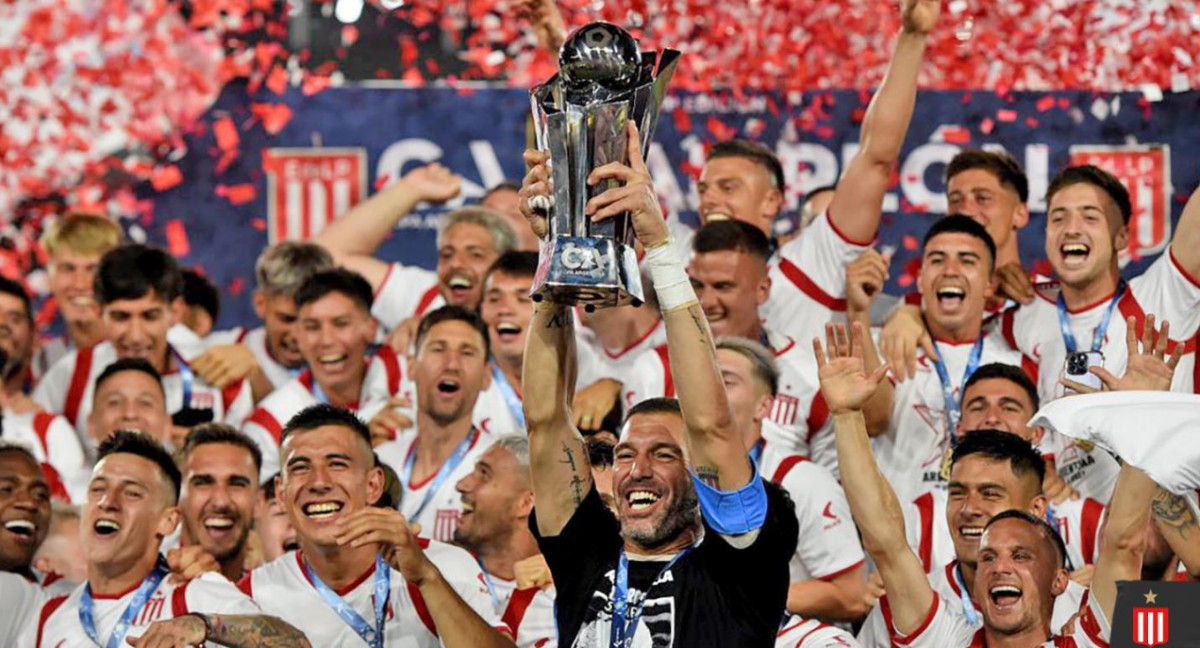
[1146,170]
[308,187]
[785,409]
[831,519]
[204,400]
[152,611]
[444,524]
[1150,626]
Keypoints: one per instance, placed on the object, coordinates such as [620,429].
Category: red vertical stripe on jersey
[382,282]
[786,466]
[230,393]
[247,585]
[422,610]
[518,603]
[179,606]
[47,610]
[818,414]
[795,275]
[41,427]
[426,300]
[925,550]
[668,381]
[58,490]
[264,419]
[391,365]
[1089,530]
[79,384]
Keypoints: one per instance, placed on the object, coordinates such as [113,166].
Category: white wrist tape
[671,283]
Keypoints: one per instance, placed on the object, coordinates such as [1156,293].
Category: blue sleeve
[733,513]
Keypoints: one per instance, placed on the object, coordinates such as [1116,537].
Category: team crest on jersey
[1150,626]
[309,187]
[444,524]
[152,611]
[1146,170]
[785,409]
[204,401]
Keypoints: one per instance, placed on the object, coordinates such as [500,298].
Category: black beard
[682,516]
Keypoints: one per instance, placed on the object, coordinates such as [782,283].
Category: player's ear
[375,483]
[1038,506]
[168,521]
[1061,580]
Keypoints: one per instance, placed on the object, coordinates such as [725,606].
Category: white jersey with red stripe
[385,375]
[945,626]
[22,600]
[438,510]
[257,341]
[283,589]
[528,612]
[1090,470]
[876,630]
[911,451]
[596,361]
[1163,290]
[828,545]
[928,530]
[810,633]
[808,286]
[58,624]
[800,414]
[69,386]
[493,413]
[406,291]
[648,376]
[53,442]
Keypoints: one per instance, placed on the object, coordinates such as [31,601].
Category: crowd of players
[769,452]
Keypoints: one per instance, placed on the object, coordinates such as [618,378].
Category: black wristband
[208,628]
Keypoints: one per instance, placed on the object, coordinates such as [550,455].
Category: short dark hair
[10,287]
[998,445]
[208,433]
[1011,373]
[133,271]
[1002,165]
[268,487]
[12,447]
[199,292]
[128,364]
[1097,177]
[732,236]
[658,405]
[960,225]
[393,490]
[515,263]
[136,443]
[1049,531]
[338,280]
[755,152]
[600,453]
[322,414]
[454,314]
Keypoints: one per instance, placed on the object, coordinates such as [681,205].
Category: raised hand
[845,383]
[433,183]
[548,24]
[635,195]
[919,16]
[903,333]
[225,363]
[865,277]
[395,536]
[188,563]
[1015,283]
[1149,368]
[535,195]
[390,421]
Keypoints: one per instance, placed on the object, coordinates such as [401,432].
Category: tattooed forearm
[577,482]
[254,631]
[556,316]
[708,475]
[1172,511]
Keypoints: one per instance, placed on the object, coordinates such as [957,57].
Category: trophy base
[588,271]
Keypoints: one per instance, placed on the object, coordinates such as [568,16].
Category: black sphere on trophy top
[600,54]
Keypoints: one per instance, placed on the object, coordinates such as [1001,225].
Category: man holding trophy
[698,553]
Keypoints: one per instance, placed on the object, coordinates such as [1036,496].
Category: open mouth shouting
[448,386]
[219,525]
[24,530]
[1005,597]
[642,500]
[460,284]
[950,298]
[971,533]
[106,527]
[714,214]
[321,511]
[508,332]
[1074,254]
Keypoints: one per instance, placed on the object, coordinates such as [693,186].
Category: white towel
[1158,432]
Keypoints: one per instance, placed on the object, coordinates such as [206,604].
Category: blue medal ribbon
[950,403]
[319,393]
[756,452]
[964,596]
[449,466]
[383,583]
[625,618]
[491,588]
[1064,322]
[510,396]
[87,614]
[186,376]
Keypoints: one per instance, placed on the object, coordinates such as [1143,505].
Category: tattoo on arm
[558,319]
[1172,510]
[708,475]
[576,480]
[254,631]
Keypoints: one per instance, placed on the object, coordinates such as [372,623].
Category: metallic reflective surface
[600,53]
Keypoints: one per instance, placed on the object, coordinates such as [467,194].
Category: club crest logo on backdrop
[1146,171]
[309,187]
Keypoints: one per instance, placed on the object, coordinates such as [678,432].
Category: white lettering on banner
[309,187]
[395,158]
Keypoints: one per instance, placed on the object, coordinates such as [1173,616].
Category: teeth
[82,300]
[219,523]
[21,526]
[507,327]
[639,500]
[322,510]
[717,216]
[459,282]
[1075,248]
[971,532]
[330,359]
[1001,590]
[107,526]
[951,292]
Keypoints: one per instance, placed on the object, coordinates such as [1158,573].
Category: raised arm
[353,238]
[716,450]
[856,211]
[558,457]
[232,630]
[864,281]
[1178,525]
[846,387]
[1185,246]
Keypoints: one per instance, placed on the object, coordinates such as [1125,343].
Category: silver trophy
[579,117]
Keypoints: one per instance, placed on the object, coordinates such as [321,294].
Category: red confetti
[226,134]
[164,178]
[259,224]
[273,116]
[277,80]
[237,286]
[1045,103]
[177,239]
[1006,116]
[237,194]
[956,135]
[349,35]
[382,181]
[909,242]
[313,84]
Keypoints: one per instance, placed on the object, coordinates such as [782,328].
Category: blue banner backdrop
[365,135]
